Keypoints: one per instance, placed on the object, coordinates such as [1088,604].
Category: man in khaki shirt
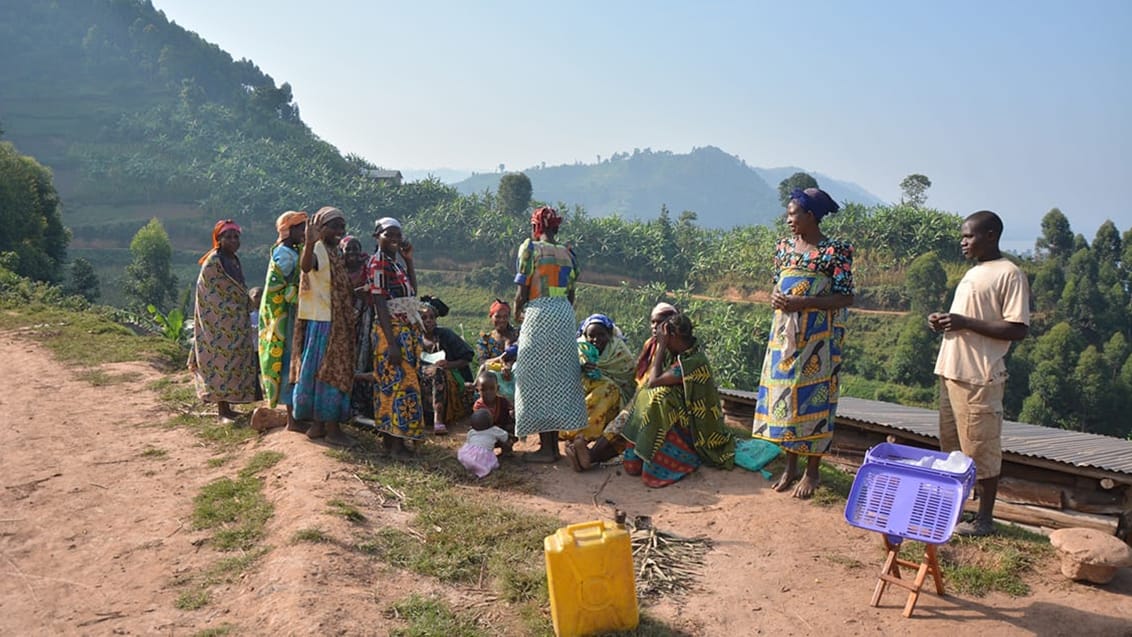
[991,309]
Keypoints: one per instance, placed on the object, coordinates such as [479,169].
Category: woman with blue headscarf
[798,390]
[607,374]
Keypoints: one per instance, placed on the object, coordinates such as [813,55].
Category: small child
[478,453]
[255,295]
[502,413]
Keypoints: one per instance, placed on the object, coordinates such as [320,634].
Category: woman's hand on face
[406,250]
[662,335]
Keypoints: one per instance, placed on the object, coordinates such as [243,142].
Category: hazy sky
[1016,106]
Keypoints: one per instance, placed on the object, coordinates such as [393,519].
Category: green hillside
[721,189]
[138,118]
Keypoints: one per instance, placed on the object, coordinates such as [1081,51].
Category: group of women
[332,325]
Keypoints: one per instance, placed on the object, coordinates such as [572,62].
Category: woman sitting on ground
[611,444]
[676,423]
[492,345]
[607,377]
[444,382]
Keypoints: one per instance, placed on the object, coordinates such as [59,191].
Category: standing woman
[798,390]
[223,358]
[396,336]
[277,313]
[323,367]
[548,375]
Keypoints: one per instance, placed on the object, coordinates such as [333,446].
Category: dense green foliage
[83,281]
[33,241]
[149,278]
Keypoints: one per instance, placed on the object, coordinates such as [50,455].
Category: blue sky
[1013,106]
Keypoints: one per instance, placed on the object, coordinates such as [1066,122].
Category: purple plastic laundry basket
[905,502]
[890,454]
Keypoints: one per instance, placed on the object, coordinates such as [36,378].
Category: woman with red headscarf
[492,344]
[223,357]
[548,375]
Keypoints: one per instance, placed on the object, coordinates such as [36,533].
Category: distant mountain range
[720,188]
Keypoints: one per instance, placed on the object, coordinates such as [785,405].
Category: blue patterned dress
[798,390]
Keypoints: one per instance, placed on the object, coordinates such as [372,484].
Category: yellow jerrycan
[589,573]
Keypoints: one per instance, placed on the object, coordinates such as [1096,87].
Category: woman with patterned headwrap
[277,313]
[323,364]
[548,376]
[676,421]
[798,390]
[223,356]
[396,337]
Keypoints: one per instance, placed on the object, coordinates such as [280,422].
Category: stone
[1090,555]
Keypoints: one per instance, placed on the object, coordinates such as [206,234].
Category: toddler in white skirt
[478,453]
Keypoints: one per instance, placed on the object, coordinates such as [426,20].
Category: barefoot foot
[317,430]
[785,481]
[807,486]
[301,426]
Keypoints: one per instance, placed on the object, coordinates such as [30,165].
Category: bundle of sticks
[665,564]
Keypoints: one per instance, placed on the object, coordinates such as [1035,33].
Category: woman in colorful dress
[223,356]
[444,383]
[396,337]
[277,313]
[548,376]
[610,444]
[676,422]
[323,365]
[607,375]
[798,390]
[494,343]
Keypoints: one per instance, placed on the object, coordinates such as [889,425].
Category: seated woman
[676,424]
[610,444]
[493,344]
[444,382]
[607,376]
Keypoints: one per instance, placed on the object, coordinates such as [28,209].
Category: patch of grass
[154,452]
[236,508]
[260,462]
[192,599]
[834,488]
[998,563]
[346,510]
[315,536]
[431,617]
[219,461]
[211,430]
[101,378]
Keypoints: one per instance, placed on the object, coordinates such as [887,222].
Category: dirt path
[95,528]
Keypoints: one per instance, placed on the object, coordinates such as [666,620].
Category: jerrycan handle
[586,532]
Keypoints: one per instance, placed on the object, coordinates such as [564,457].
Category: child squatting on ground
[478,453]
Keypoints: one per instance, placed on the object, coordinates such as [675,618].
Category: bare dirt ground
[94,532]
